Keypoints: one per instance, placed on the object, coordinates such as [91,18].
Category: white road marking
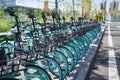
[113,71]
[118,26]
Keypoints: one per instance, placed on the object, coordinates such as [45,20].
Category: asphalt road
[107,60]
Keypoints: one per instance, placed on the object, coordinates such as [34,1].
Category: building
[113,13]
[103,9]
[103,6]
[46,5]
[114,5]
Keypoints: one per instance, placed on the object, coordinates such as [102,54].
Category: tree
[99,16]
[67,10]
[85,7]
[114,13]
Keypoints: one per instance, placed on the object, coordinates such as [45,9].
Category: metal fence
[110,18]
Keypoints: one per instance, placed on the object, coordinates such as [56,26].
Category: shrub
[5,24]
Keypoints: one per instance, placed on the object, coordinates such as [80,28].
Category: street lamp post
[56,6]
[73,8]
[104,10]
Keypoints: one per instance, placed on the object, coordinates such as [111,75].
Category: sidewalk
[99,67]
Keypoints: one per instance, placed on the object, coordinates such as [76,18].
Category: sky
[95,3]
